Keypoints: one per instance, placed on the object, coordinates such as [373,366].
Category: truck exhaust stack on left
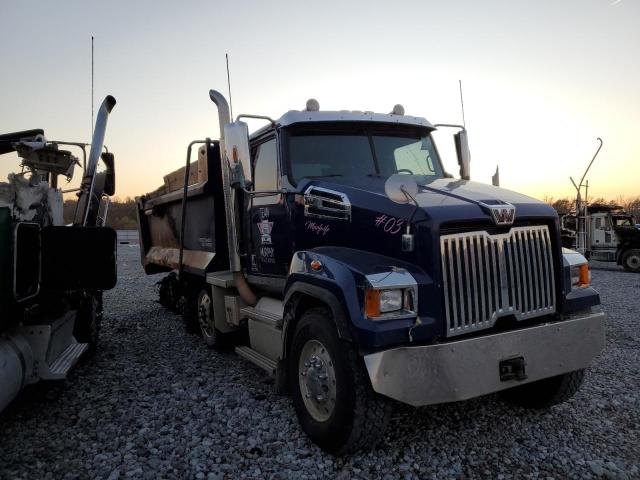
[52,275]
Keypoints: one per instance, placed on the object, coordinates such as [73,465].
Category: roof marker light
[397,110]
[312,105]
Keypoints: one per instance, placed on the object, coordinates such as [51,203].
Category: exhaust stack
[229,203]
[97,143]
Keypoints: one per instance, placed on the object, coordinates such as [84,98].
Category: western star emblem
[502,213]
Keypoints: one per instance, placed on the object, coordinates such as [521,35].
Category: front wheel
[332,395]
[545,393]
[631,260]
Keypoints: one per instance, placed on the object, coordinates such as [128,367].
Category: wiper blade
[325,176]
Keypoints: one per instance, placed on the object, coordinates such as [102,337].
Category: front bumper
[464,369]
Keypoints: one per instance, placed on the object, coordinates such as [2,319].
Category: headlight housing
[390,303]
[580,276]
[391,295]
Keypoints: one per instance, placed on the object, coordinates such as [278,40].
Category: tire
[88,318]
[168,291]
[631,260]
[190,312]
[545,393]
[206,321]
[350,416]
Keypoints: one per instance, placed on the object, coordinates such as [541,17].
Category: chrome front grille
[486,277]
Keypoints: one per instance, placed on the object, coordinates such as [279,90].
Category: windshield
[623,221]
[361,152]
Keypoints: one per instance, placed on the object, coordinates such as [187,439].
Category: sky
[541,79]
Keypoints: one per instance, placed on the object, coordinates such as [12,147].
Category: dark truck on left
[52,275]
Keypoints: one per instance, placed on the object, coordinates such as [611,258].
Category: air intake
[324,203]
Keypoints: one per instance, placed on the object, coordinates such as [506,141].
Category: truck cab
[610,234]
[360,273]
[52,275]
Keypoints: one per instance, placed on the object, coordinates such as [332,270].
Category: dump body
[160,219]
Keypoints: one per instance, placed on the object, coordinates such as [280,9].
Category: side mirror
[462,150]
[110,174]
[236,144]
[401,188]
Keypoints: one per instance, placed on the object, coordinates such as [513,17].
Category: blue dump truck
[334,251]
[52,275]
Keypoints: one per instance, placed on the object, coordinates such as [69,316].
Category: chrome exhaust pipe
[229,204]
[97,143]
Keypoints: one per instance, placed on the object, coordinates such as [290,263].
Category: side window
[265,171]
[599,223]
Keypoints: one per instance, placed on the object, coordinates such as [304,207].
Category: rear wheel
[631,260]
[332,395]
[168,289]
[211,335]
[545,393]
[189,307]
[88,318]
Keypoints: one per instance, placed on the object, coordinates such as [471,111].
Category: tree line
[568,205]
[121,214]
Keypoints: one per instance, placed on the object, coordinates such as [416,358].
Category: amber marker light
[372,303]
[316,265]
[584,275]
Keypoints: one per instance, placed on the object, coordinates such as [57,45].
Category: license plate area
[512,369]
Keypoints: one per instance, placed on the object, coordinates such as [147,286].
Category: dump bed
[160,219]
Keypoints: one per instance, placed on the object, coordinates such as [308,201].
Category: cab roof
[298,117]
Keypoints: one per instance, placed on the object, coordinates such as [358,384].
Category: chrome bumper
[464,369]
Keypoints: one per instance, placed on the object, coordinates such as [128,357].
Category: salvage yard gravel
[155,402]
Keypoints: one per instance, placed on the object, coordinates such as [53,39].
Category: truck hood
[628,234]
[442,199]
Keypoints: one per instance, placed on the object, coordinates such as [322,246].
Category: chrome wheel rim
[205,317]
[317,380]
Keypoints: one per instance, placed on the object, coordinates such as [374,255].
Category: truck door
[269,246]
[599,230]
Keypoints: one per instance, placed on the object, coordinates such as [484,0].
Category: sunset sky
[541,79]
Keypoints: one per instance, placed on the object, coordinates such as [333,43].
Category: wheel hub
[634,261]
[317,380]
[204,315]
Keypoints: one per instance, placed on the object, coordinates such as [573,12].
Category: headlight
[389,303]
[580,276]
[578,268]
[390,300]
[390,294]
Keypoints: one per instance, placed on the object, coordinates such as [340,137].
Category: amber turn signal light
[372,303]
[584,275]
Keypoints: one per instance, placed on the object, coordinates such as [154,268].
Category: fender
[328,285]
[340,282]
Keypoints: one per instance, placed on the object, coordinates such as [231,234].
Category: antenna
[229,86]
[464,124]
[91,136]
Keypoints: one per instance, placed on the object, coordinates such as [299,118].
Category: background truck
[51,275]
[609,233]
[332,250]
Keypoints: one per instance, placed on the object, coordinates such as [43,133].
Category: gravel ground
[156,403]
